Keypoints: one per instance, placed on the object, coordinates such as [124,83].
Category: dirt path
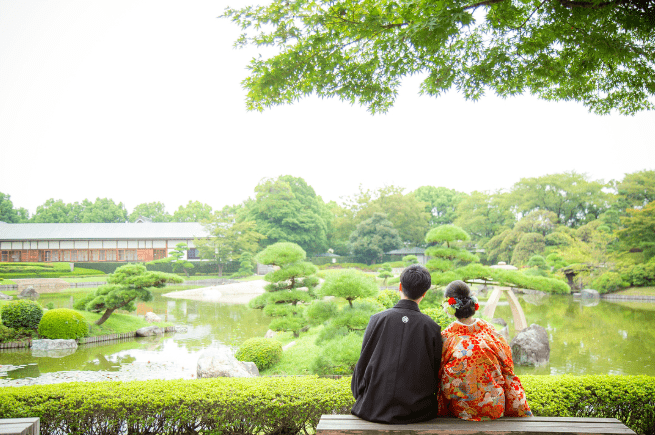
[238,293]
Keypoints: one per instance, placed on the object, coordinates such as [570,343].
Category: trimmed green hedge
[41,270]
[630,399]
[288,405]
[246,406]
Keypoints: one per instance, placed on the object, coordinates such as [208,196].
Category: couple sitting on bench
[410,371]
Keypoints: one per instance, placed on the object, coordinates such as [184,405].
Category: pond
[586,337]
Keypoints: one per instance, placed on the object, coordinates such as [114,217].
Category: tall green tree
[227,239]
[405,212]
[441,203]
[373,237]
[571,196]
[10,214]
[194,211]
[287,209]
[103,210]
[58,212]
[155,211]
[599,53]
[637,189]
[127,284]
[639,230]
[483,215]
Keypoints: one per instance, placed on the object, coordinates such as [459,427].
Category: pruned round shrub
[608,282]
[264,352]
[21,314]
[63,323]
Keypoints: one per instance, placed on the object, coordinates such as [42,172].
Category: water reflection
[592,336]
[209,324]
[603,338]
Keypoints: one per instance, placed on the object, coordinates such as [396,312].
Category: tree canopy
[10,214]
[373,237]
[600,53]
[287,209]
[155,211]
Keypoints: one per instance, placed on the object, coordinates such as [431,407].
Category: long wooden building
[96,242]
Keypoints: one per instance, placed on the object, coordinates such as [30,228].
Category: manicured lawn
[116,324]
[637,291]
[298,359]
[96,278]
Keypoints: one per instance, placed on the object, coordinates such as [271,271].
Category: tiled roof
[168,230]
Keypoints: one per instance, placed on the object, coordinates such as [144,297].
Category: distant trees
[373,237]
[103,210]
[10,214]
[155,211]
[228,238]
[194,211]
[441,203]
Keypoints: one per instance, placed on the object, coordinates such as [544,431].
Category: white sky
[140,101]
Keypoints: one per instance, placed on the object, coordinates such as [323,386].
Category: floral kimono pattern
[477,375]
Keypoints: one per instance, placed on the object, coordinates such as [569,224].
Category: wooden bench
[351,425]
[20,426]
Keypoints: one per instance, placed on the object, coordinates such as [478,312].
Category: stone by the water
[220,363]
[149,331]
[4,297]
[28,293]
[270,334]
[531,347]
[152,317]
[589,293]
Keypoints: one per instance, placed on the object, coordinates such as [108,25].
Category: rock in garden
[4,297]
[28,293]
[53,348]
[180,328]
[531,347]
[217,363]
[589,293]
[270,334]
[148,331]
[251,367]
[499,321]
[152,317]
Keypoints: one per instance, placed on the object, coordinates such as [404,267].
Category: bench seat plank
[20,426]
[351,425]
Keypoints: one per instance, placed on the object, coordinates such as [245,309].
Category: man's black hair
[416,280]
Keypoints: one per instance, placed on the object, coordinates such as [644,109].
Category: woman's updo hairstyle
[460,290]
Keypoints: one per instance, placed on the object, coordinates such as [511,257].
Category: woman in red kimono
[477,371]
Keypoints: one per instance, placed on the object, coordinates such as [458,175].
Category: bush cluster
[264,352]
[63,323]
[608,282]
[640,275]
[289,406]
[10,334]
[439,316]
[21,314]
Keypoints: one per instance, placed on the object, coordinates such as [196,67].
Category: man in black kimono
[397,376]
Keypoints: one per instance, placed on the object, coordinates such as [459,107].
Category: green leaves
[360,50]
